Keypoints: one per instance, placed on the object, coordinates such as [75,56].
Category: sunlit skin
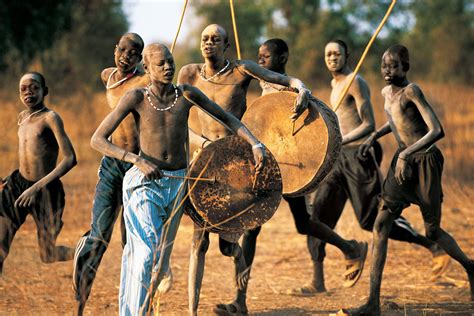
[41,137]
[416,128]
[229,90]
[355,114]
[127,56]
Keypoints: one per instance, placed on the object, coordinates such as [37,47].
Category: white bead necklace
[148,92]
[128,76]
[202,73]
[21,121]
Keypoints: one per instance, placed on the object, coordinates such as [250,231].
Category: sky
[157,20]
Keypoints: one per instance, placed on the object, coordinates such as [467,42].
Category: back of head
[402,52]
[277,46]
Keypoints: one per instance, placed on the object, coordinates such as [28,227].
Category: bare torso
[126,134]
[38,147]
[347,113]
[229,91]
[404,118]
[163,134]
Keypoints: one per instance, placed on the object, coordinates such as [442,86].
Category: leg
[92,246]
[7,232]
[197,260]
[382,229]
[242,273]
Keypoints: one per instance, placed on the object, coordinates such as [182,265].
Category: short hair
[134,37]
[39,75]
[402,52]
[277,45]
[221,28]
[342,44]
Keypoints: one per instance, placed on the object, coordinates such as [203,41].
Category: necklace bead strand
[111,86]
[148,92]
[202,73]
[20,122]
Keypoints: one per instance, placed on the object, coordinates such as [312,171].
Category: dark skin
[416,128]
[127,74]
[163,134]
[41,136]
[227,86]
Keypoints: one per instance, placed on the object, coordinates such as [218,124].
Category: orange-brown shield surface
[305,152]
[238,199]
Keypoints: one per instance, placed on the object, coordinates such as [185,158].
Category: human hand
[149,169]
[402,170]
[365,147]
[259,154]
[28,197]
[301,103]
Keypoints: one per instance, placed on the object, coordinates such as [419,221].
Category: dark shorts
[423,187]
[354,179]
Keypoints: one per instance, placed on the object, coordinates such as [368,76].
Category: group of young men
[145,141]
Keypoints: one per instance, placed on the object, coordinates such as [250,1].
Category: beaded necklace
[148,92]
[128,76]
[202,73]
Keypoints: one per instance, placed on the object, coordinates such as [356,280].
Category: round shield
[230,196]
[305,151]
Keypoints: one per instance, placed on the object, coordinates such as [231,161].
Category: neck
[214,64]
[400,85]
[122,74]
[341,74]
[160,88]
[35,108]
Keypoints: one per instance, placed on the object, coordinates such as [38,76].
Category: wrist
[204,142]
[257,145]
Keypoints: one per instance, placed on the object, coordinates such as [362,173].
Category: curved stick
[359,64]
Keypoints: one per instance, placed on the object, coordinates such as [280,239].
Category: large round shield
[305,152]
[232,197]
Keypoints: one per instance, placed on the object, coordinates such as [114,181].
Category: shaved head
[152,49]
[217,28]
[134,38]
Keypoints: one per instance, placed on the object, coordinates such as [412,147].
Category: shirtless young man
[354,177]
[226,82]
[415,172]
[35,188]
[90,249]
[152,187]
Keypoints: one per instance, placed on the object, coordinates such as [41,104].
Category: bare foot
[233,308]
[364,310]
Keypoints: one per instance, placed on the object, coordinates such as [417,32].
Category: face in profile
[32,91]
[213,42]
[335,57]
[159,63]
[127,54]
[268,59]
[392,69]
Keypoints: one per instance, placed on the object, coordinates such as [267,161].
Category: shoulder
[188,73]
[385,90]
[52,118]
[413,90]
[106,74]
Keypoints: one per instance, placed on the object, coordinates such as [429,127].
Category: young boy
[90,249]
[153,186]
[35,188]
[415,172]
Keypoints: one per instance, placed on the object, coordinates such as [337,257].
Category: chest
[115,94]
[34,134]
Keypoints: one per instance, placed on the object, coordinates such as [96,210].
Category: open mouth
[124,63]
[29,99]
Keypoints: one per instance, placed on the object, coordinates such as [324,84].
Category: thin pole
[359,64]
[234,24]
[179,26]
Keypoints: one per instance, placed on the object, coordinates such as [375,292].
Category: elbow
[94,142]
[73,162]
[440,133]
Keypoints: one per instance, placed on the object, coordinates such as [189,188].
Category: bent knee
[433,232]
[227,249]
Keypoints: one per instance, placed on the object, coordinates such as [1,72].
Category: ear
[406,67]
[283,59]
[45,91]
[145,67]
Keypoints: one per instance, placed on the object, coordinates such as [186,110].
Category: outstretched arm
[68,161]
[361,94]
[198,98]
[364,148]
[254,70]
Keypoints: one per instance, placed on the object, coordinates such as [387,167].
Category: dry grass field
[30,287]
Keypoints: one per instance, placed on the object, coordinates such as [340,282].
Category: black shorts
[47,210]
[423,187]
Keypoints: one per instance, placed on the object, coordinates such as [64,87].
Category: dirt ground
[30,287]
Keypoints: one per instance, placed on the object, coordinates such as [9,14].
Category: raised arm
[435,130]
[361,94]
[198,98]
[55,123]
[254,70]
